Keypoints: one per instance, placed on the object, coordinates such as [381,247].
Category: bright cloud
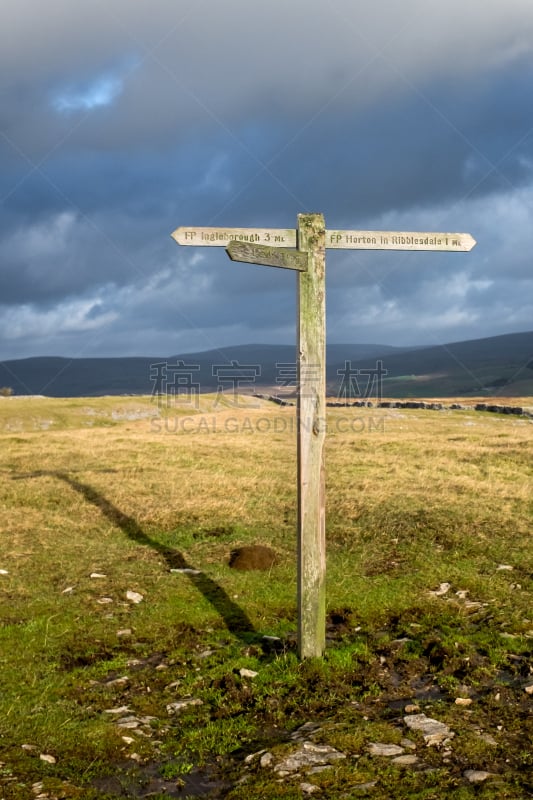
[29,323]
[101,92]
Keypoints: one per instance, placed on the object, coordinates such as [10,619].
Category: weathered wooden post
[311,423]
[274,247]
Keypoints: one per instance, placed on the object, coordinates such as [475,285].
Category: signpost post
[274,247]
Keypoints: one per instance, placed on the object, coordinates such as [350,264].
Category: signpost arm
[311,408]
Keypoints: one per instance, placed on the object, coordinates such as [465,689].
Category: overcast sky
[122,119]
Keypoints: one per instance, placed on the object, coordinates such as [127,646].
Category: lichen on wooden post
[311,414]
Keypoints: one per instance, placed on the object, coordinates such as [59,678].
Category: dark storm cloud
[120,121]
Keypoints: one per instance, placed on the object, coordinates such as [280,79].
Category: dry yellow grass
[128,490]
[235,466]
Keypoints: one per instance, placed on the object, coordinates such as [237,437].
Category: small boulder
[405,761]
[477,775]
[434,732]
[380,749]
[252,557]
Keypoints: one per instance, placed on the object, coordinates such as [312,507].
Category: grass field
[429,602]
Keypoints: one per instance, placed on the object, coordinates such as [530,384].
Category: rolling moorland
[495,366]
[137,662]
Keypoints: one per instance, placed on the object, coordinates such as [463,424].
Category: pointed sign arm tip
[467,241]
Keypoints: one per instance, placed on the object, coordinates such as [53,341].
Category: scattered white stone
[173,685]
[179,705]
[405,761]
[266,760]
[434,732]
[408,744]
[380,749]
[504,566]
[118,710]
[118,682]
[476,775]
[248,673]
[308,755]
[68,590]
[309,788]
[252,756]
[135,597]
[4,572]
[97,575]
[129,723]
[29,747]
[443,588]
[301,733]
[135,757]
[529,689]
[104,601]
[128,739]
[124,632]
[187,571]
[462,593]
[161,667]
[324,751]
[463,701]
[48,759]
[412,708]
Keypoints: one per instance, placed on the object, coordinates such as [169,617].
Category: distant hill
[89,377]
[498,365]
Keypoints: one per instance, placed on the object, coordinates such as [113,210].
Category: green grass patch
[428,587]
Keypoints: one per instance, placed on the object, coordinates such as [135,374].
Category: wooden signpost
[274,247]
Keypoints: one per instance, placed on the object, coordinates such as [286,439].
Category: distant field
[105,496]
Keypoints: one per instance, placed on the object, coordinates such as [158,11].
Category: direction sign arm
[221,237]
[267,256]
[398,240]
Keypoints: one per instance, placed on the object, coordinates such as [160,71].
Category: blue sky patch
[101,91]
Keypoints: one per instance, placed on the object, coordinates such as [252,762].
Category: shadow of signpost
[235,619]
